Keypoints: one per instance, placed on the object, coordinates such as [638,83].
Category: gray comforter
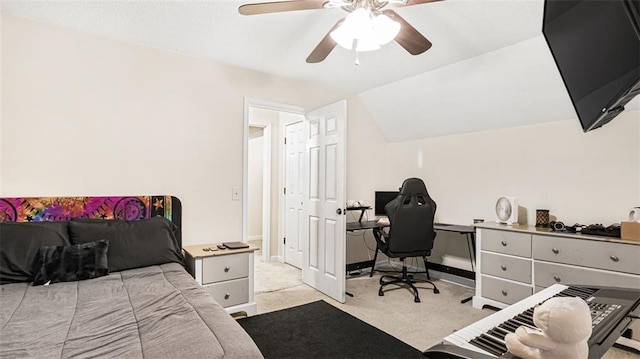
[151,312]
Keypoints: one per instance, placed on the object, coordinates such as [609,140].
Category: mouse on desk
[383,220]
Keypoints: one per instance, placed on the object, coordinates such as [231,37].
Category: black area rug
[320,330]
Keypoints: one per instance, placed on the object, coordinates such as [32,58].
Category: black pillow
[19,243]
[132,244]
[71,263]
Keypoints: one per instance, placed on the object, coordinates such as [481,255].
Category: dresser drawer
[517,244]
[552,273]
[513,268]
[230,293]
[503,291]
[618,257]
[221,268]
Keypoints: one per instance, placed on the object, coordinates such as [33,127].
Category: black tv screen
[596,47]
[382,198]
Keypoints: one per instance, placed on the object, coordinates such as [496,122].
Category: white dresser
[513,262]
[227,274]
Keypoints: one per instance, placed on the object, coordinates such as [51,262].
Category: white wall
[254,190]
[585,178]
[581,178]
[88,115]
[366,167]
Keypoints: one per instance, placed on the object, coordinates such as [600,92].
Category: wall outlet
[235,193]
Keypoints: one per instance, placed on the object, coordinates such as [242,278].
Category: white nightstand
[227,274]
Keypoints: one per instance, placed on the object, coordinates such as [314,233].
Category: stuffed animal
[565,327]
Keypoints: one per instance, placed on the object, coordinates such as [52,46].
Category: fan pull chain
[357,62]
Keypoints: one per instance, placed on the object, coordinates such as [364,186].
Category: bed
[146,306]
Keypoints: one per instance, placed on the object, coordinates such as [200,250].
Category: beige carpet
[421,325]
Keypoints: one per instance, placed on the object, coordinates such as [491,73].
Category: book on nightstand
[235,245]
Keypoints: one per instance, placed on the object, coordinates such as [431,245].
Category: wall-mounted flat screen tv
[596,47]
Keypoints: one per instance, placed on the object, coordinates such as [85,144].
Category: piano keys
[610,308]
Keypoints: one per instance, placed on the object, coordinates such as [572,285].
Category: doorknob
[339,211]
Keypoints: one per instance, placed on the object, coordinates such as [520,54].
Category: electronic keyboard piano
[612,310]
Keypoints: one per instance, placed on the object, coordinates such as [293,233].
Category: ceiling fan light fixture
[343,36]
[368,32]
[368,43]
[385,29]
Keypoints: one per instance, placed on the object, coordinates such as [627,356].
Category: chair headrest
[413,186]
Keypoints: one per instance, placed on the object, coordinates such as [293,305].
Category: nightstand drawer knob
[504,244]
[505,293]
[555,250]
[614,258]
[226,269]
[556,278]
[503,267]
[227,295]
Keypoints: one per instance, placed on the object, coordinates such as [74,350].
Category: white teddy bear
[565,327]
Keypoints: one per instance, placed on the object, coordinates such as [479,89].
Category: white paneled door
[324,250]
[294,196]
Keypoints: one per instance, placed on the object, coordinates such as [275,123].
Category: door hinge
[285,140]
[285,190]
[285,240]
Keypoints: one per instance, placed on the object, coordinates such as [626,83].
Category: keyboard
[610,310]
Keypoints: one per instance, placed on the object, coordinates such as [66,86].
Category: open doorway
[315,170]
[264,178]
[264,175]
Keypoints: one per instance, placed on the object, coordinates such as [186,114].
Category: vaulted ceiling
[488,67]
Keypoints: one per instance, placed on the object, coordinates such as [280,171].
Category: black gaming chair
[411,233]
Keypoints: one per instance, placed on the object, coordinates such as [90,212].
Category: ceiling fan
[367,26]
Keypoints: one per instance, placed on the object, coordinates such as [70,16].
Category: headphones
[557,226]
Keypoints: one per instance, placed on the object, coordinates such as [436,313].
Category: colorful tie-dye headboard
[128,208]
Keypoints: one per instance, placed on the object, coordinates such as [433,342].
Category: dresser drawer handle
[556,278]
[614,258]
[504,244]
[226,269]
[227,295]
[505,293]
[503,267]
[555,250]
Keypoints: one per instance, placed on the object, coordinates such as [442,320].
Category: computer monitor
[382,198]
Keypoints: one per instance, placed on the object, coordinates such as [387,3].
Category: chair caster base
[416,299]
[435,291]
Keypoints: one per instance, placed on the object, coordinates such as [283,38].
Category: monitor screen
[596,47]
[382,198]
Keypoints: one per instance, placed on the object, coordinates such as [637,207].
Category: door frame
[266,190]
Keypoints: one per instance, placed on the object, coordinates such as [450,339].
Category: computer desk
[468,231]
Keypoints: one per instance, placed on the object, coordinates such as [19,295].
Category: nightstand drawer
[221,268]
[517,244]
[503,291]
[513,268]
[551,273]
[618,257]
[230,293]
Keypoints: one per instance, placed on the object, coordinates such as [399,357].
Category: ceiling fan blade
[409,37]
[417,2]
[280,6]
[324,47]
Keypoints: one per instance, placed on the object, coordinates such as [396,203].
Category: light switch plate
[235,193]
